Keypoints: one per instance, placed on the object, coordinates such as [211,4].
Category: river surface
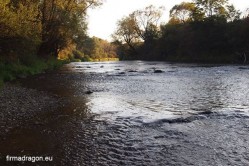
[141,113]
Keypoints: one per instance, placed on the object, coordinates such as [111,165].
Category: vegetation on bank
[90,49]
[11,71]
[199,31]
[34,34]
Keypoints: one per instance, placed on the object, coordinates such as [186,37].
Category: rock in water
[132,71]
[89,92]
[158,71]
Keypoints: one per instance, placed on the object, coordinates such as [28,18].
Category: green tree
[126,31]
[86,45]
[212,7]
[96,48]
[232,13]
[19,28]
[182,13]
[62,21]
[145,19]
[140,25]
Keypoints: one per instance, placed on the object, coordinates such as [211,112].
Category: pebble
[19,106]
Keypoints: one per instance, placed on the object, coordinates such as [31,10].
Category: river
[140,113]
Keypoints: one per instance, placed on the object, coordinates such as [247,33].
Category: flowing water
[141,113]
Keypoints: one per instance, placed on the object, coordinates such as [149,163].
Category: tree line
[210,31]
[48,28]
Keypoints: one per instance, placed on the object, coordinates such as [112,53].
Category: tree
[126,31]
[19,19]
[61,21]
[212,7]
[19,28]
[96,48]
[232,13]
[140,25]
[218,8]
[43,27]
[182,13]
[245,13]
[145,19]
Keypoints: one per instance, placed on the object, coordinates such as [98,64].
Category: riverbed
[129,113]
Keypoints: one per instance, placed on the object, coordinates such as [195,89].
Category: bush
[77,54]
[75,60]
[86,58]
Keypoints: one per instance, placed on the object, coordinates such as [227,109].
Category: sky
[103,20]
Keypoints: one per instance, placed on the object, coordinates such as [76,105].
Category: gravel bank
[20,106]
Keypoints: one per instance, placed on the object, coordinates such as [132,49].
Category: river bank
[31,66]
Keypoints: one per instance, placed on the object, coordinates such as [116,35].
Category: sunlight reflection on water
[180,90]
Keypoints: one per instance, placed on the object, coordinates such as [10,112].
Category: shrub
[77,54]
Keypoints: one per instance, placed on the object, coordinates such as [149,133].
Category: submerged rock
[132,71]
[171,71]
[89,92]
[243,68]
[158,71]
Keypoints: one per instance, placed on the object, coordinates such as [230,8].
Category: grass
[32,65]
[23,68]
[105,59]
[88,59]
